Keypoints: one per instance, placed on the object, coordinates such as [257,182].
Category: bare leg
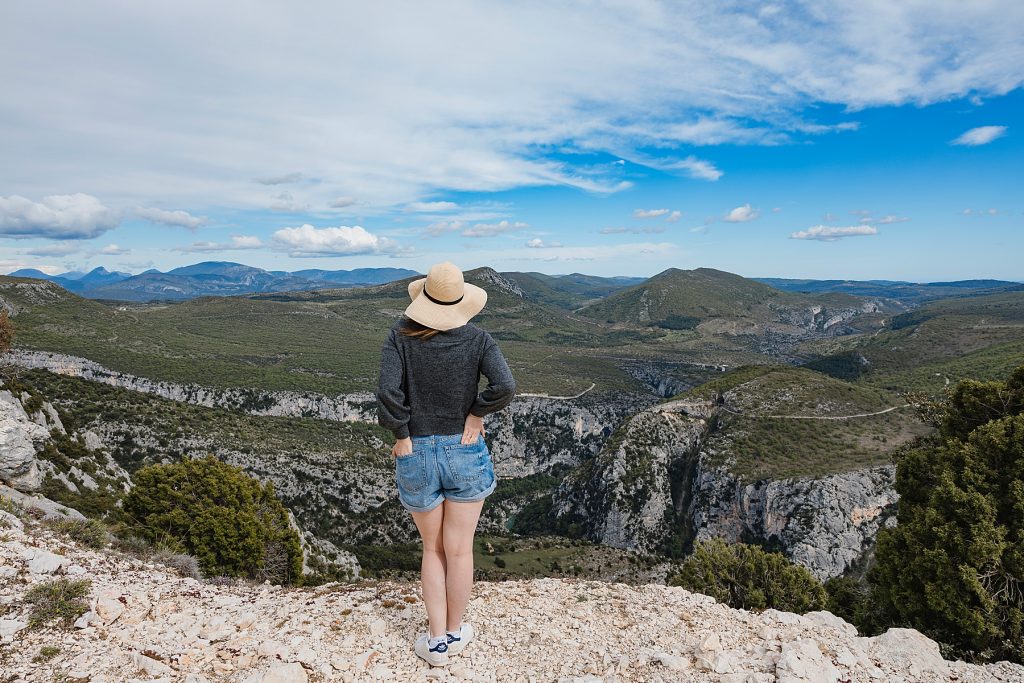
[433,567]
[459,528]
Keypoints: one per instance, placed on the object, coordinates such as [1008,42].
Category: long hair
[411,328]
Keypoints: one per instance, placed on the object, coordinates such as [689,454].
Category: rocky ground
[147,623]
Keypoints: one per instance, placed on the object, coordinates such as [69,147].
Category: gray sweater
[429,386]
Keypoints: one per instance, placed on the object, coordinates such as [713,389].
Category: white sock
[434,640]
[457,633]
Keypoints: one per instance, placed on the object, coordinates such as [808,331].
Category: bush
[88,532]
[186,565]
[747,577]
[57,599]
[231,523]
[953,567]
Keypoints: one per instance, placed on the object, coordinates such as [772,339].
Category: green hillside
[325,340]
[972,336]
[681,299]
[567,292]
[772,426]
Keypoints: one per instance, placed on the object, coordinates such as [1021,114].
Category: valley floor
[146,623]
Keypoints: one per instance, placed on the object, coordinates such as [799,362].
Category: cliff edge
[145,622]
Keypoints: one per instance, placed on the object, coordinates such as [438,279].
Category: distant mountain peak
[488,274]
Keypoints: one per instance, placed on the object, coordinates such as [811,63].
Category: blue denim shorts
[441,466]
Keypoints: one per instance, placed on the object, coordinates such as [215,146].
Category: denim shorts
[441,466]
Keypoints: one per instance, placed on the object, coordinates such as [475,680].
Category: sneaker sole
[467,638]
[423,653]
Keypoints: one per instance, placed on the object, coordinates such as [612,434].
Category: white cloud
[981,212]
[343,240]
[286,203]
[538,243]
[397,115]
[696,168]
[54,249]
[493,229]
[430,207]
[829,217]
[674,216]
[649,213]
[890,218]
[280,179]
[65,217]
[237,242]
[829,233]
[741,214]
[113,250]
[342,202]
[174,218]
[443,227]
[690,166]
[982,135]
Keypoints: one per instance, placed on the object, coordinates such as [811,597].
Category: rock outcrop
[652,485]
[22,471]
[531,435]
[649,487]
[20,437]
[142,621]
[825,523]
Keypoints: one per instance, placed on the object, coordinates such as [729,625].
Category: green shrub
[57,599]
[953,567]
[747,577]
[46,653]
[230,522]
[88,532]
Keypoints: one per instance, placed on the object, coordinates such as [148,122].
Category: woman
[427,396]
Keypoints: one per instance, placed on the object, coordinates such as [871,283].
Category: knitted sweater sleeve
[393,409]
[501,386]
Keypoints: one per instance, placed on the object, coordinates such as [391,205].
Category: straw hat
[443,299]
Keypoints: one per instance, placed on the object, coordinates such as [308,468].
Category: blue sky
[794,140]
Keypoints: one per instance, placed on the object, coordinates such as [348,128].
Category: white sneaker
[456,645]
[436,656]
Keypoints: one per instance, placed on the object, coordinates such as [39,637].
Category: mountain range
[209,278]
[565,291]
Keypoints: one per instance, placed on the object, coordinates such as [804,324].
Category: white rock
[11,520]
[306,655]
[671,661]
[803,662]
[909,652]
[45,562]
[378,627]
[151,666]
[787,618]
[292,672]
[8,627]
[109,608]
[747,677]
[828,619]
[86,619]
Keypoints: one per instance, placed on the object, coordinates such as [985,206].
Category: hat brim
[442,317]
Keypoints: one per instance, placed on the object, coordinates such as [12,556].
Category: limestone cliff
[653,486]
[141,620]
